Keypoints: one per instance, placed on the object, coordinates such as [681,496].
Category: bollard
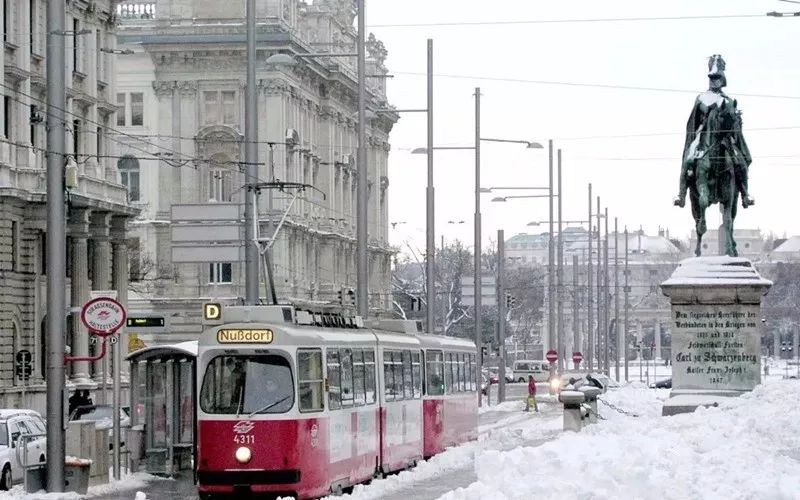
[591,393]
[573,417]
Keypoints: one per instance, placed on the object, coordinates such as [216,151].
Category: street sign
[552,356]
[24,371]
[22,366]
[112,294]
[577,357]
[103,316]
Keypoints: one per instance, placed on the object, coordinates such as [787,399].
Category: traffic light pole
[501,316]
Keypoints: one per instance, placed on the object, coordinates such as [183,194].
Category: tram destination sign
[244,336]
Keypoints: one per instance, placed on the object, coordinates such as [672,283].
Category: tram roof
[165,350]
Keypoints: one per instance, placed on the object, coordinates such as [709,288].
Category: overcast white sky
[636,177]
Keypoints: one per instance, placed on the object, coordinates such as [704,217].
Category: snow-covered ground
[128,483]
[747,448]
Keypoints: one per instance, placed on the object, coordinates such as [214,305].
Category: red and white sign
[552,356]
[577,357]
[103,316]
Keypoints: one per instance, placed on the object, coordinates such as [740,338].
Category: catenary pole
[501,315]
[617,340]
[251,158]
[56,251]
[606,301]
[362,263]
[589,301]
[560,277]
[551,327]
[477,248]
[430,260]
[627,305]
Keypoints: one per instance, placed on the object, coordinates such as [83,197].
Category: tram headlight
[243,454]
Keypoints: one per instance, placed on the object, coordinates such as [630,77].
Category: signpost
[577,357]
[103,316]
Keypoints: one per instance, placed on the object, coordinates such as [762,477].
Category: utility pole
[362,259]
[477,249]
[616,301]
[551,327]
[627,305]
[576,327]
[56,250]
[501,313]
[251,158]
[599,290]
[589,305]
[606,308]
[430,261]
[560,279]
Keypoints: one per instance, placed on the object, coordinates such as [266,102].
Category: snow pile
[748,447]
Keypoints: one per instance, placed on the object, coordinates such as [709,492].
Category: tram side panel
[401,403]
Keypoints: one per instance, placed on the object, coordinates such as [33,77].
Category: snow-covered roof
[792,245]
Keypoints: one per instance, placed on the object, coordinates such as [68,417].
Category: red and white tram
[294,409]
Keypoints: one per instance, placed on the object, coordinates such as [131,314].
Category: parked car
[662,384]
[101,415]
[14,425]
[580,381]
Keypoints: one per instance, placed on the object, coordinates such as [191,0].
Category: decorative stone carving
[164,88]
[187,88]
[218,139]
[344,11]
[376,49]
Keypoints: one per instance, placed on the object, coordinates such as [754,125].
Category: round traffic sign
[552,356]
[577,357]
[103,316]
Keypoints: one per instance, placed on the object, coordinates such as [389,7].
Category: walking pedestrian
[531,401]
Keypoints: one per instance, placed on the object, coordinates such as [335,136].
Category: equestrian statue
[715,157]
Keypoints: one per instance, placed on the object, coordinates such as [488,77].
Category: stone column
[101,280]
[79,294]
[120,282]
[91,54]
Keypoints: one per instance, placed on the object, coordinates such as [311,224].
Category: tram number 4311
[244,439]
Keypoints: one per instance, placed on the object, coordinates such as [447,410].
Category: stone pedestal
[716,331]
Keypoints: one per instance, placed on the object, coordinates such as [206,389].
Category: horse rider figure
[695,149]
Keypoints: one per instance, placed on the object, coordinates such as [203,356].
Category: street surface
[490,421]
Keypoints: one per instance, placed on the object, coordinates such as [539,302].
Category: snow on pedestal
[716,330]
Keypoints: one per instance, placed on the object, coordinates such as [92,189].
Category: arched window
[129,176]
[220,178]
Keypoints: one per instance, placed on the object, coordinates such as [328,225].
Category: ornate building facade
[183,95]
[97,207]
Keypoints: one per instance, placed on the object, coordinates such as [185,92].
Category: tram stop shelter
[163,388]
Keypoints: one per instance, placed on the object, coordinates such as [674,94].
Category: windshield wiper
[271,405]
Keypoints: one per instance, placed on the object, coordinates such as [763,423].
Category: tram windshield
[243,385]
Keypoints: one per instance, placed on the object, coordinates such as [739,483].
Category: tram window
[334,380]
[462,374]
[347,377]
[397,368]
[435,373]
[470,367]
[408,379]
[310,384]
[369,375]
[234,385]
[416,370]
[388,376]
[359,397]
[448,374]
